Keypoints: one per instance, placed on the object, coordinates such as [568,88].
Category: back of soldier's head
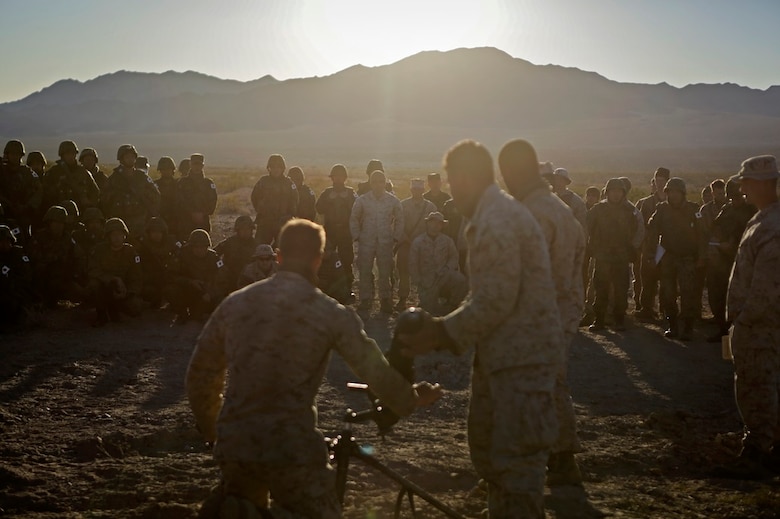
[301,242]
[296,174]
[518,163]
[276,161]
[469,158]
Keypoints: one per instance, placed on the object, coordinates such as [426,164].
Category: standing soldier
[20,191]
[306,197]
[649,272]
[166,185]
[511,320]
[158,251]
[194,295]
[612,227]
[263,266]
[142,163]
[184,167]
[677,222]
[434,193]
[559,179]
[15,281]
[130,194]
[752,307]
[36,161]
[115,277]
[565,243]
[365,187]
[275,199]
[415,209]
[196,196]
[639,237]
[727,230]
[709,211]
[235,252]
[335,205]
[433,267]
[89,159]
[68,180]
[377,225]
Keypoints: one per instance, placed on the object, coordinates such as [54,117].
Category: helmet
[7,234]
[264,251]
[157,224]
[56,213]
[14,146]
[675,184]
[627,183]
[338,171]
[197,158]
[166,163]
[295,173]
[276,160]
[200,237]
[71,207]
[115,224]
[36,156]
[184,166]
[88,152]
[243,221]
[615,183]
[92,213]
[67,147]
[374,165]
[732,186]
[125,148]
[142,163]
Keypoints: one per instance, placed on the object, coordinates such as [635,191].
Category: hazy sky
[646,41]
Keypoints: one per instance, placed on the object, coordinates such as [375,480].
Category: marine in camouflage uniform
[752,298]
[433,268]
[236,253]
[415,209]
[56,260]
[20,191]
[159,251]
[115,276]
[68,180]
[335,205]
[15,281]
[307,200]
[709,211]
[130,194]
[377,225]
[434,193]
[195,293]
[275,199]
[511,318]
[262,266]
[565,243]
[727,230]
[196,196]
[649,272]
[265,426]
[89,159]
[677,222]
[166,185]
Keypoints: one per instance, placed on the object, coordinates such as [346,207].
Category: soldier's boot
[587,319]
[386,306]
[401,305]
[562,470]
[671,328]
[687,331]
[598,324]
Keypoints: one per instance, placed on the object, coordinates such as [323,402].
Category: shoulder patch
[338,264]
[5,270]
[138,259]
[292,184]
[25,259]
[149,179]
[698,214]
[178,244]
[220,264]
[213,186]
[16,231]
[34,174]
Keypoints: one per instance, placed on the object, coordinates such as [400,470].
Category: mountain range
[411,110]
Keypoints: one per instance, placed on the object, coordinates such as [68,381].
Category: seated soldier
[159,262]
[433,267]
[55,260]
[115,278]
[72,223]
[263,266]
[193,296]
[235,252]
[15,281]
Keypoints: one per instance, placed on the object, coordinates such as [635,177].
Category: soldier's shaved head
[301,245]
[518,164]
[469,168]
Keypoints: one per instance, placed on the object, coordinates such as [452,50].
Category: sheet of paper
[659,253]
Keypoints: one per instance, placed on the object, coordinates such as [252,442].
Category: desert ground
[95,422]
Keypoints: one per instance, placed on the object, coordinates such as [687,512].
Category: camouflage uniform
[62,182]
[454,229]
[433,267]
[306,203]
[709,212]
[235,253]
[415,212]
[107,264]
[265,427]
[275,200]
[376,224]
[752,296]
[15,280]
[131,196]
[512,320]
[56,263]
[194,194]
[87,237]
[195,293]
[336,207]
[159,263]
[577,207]
[437,199]
[565,242]
[20,196]
[168,202]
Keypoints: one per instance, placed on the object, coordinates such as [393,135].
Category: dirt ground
[95,424]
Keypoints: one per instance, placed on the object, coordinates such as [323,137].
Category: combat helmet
[615,183]
[92,213]
[374,165]
[67,147]
[36,156]
[87,152]
[115,224]
[200,237]
[157,224]
[56,213]
[14,146]
[166,163]
[125,148]
[675,184]
[71,207]
[243,221]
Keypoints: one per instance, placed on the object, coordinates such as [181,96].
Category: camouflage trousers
[297,492]
[402,262]
[757,384]
[511,425]
[367,253]
[564,407]
[649,275]
[611,276]
[678,275]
